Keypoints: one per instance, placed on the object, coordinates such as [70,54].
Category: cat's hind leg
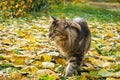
[72,65]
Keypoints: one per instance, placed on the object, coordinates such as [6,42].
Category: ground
[26,53]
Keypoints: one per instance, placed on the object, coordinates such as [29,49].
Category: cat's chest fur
[63,47]
[66,46]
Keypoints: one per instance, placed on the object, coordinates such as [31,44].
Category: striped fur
[72,38]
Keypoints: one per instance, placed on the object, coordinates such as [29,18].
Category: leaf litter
[26,52]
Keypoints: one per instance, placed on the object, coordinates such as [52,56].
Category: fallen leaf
[108,58]
[61,61]
[48,65]
[16,75]
[47,72]
[25,70]
[60,68]
[111,79]
[18,59]
[7,41]
[94,73]
[104,73]
[33,69]
[38,64]
[45,57]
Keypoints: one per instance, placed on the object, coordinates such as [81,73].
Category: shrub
[16,8]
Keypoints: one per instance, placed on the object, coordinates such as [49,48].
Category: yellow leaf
[34,69]
[30,1]
[89,66]
[111,79]
[48,72]
[38,64]
[35,27]
[2,27]
[118,45]
[29,48]
[17,5]
[32,39]
[45,57]
[25,70]
[92,60]
[83,78]
[7,41]
[96,62]
[6,57]
[109,58]
[24,13]
[16,75]
[12,2]
[22,2]
[18,13]
[110,35]
[95,53]
[20,33]
[86,76]
[18,59]
[5,2]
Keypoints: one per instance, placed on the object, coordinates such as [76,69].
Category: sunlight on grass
[86,11]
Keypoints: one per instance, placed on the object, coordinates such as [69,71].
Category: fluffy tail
[85,33]
[79,20]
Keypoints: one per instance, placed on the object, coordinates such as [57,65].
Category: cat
[73,39]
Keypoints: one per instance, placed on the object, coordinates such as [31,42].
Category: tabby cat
[73,39]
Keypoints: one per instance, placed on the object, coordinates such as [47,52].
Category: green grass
[71,10]
[91,13]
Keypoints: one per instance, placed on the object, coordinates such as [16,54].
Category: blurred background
[22,8]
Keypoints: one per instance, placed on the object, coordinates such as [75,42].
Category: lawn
[86,11]
[26,53]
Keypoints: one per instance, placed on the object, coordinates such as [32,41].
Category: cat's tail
[80,21]
[83,24]
[85,33]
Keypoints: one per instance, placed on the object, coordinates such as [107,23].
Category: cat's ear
[63,19]
[52,18]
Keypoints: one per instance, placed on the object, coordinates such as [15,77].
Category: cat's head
[58,29]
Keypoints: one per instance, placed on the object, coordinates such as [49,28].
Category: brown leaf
[61,61]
